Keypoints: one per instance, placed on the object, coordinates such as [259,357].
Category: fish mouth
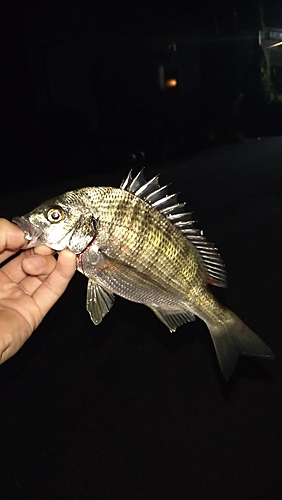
[31,233]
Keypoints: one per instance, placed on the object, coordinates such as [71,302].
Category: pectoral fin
[98,301]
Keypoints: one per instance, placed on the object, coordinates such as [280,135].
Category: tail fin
[233,338]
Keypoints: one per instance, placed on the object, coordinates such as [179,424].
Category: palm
[17,300]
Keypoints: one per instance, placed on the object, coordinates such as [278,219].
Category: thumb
[55,284]
[66,264]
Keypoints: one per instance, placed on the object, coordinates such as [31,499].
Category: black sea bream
[138,242]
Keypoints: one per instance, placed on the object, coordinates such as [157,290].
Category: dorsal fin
[167,205]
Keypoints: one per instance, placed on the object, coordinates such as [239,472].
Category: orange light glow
[171,83]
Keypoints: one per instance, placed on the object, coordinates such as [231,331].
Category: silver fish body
[137,242]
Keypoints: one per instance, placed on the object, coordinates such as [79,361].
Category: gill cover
[83,233]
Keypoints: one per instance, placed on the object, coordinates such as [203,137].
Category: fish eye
[55,214]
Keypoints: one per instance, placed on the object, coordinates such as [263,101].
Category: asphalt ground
[128,410]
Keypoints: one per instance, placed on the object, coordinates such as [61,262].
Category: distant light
[274,45]
[170,83]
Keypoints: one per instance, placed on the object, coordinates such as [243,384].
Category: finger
[16,327]
[56,283]
[28,263]
[13,270]
[6,254]
[11,237]
[43,250]
[36,272]
[35,261]
[38,265]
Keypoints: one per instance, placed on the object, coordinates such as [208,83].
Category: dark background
[125,409]
[83,83]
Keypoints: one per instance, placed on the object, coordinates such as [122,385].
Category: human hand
[30,284]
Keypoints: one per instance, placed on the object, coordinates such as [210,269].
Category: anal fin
[173,319]
[98,301]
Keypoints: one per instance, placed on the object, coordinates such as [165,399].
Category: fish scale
[154,250]
[136,241]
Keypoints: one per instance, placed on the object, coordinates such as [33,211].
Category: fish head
[62,222]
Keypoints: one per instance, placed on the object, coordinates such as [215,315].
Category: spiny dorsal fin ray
[149,188]
[174,209]
[165,201]
[180,215]
[156,193]
[127,181]
[137,182]
[167,204]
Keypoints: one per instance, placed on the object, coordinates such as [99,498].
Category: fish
[137,241]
